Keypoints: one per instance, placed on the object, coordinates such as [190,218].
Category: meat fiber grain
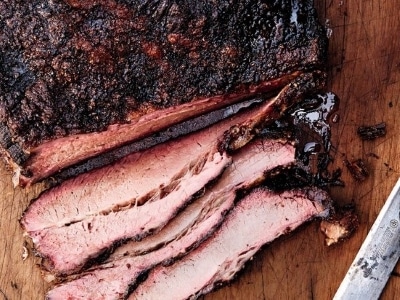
[68,248]
[259,218]
[111,279]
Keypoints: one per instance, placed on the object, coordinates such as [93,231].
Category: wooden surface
[364,71]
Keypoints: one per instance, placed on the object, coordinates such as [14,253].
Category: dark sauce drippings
[316,113]
[310,124]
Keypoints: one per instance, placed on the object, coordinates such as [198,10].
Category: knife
[378,255]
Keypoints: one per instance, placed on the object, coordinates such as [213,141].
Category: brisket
[82,78]
[78,78]
[259,218]
[111,279]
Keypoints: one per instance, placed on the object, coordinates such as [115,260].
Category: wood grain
[364,71]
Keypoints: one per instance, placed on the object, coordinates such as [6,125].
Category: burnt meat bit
[372,132]
[357,169]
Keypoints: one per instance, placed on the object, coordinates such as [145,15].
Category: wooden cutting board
[364,71]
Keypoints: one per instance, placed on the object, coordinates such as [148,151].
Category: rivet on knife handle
[378,255]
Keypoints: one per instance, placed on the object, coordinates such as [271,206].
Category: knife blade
[378,255]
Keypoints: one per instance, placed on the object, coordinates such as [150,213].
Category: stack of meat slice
[191,209]
[156,206]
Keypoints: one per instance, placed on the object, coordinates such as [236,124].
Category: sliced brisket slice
[258,219]
[111,279]
[50,157]
[75,69]
[67,248]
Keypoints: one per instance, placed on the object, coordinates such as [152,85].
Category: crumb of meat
[340,225]
[25,253]
[357,169]
[372,132]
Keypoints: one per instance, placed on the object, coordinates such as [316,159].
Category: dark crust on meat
[70,67]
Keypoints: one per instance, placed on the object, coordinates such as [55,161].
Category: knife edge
[378,255]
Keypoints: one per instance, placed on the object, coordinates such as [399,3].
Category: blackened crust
[70,67]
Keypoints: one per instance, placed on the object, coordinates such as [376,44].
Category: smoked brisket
[78,78]
[111,279]
[82,78]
